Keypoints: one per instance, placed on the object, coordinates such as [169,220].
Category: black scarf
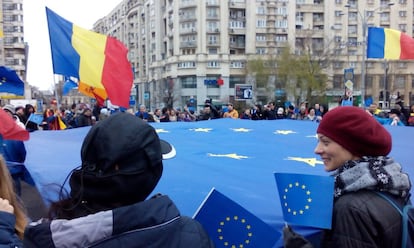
[374,173]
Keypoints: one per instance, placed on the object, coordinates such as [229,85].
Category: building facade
[191,50]
[13,49]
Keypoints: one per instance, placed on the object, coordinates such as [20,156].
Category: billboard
[243,92]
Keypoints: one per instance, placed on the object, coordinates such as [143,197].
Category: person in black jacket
[355,147]
[107,205]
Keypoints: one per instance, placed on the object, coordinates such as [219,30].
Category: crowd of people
[81,114]
[352,143]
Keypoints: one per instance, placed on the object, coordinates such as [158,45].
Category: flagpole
[55,92]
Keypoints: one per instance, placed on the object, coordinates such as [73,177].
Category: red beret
[356,130]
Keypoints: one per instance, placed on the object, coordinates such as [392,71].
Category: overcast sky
[83,13]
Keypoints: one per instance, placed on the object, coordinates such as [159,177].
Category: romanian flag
[99,62]
[385,43]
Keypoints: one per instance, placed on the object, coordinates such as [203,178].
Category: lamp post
[384,105]
[364,18]
[137,96]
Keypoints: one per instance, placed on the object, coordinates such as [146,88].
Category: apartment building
[198,49]
[13,49]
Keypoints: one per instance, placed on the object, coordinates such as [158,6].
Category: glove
[294,240]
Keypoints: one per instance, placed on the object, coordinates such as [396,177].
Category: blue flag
[306,200]
[68,85]
[230,225]
[10,81]
[36,118]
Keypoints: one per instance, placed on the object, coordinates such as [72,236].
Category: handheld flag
[68,85]
[35,118]
[10,130]
[385,43]
[100,62]
[62,125]
[306,200]
[230,225]
[10,82]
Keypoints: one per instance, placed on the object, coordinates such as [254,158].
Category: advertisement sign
[243,92]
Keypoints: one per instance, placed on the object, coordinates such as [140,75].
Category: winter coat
[8,236]
[152,223]
[363,219]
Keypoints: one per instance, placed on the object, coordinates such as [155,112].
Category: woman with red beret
[354,146]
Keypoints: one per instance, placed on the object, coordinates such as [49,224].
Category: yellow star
[310,161]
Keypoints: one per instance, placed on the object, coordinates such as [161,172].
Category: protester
[107,205]
[13,218]
[52,118]
[231,112]
[355,147]
[29,110]
[10,110]
[393,118]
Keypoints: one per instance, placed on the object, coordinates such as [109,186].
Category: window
[212,51]
[233,80]
[402,65]
[260,37]
[213,64]
[400,82]
[237,64]
[212,39]
[282,11]
[188,82]
[281,23]
[260,50]
[187,64]
[261,10]
[281,38]
[261,23]
[212,13]
[402,13]
[402,27]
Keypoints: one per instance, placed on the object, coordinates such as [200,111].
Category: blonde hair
[7,192]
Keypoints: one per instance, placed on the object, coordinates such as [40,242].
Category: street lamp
[364,18]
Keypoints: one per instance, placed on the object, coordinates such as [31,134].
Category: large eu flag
[306,200]
[230,225]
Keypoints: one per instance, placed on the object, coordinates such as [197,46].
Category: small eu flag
[230,225]
[306,200]
[36,118]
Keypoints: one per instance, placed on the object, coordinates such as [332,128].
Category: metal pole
[137,96]
[364,50]
[385,83]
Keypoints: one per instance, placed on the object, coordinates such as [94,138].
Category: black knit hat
[121,161]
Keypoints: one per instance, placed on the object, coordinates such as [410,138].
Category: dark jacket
[152,223]
[363,219]
[8,236]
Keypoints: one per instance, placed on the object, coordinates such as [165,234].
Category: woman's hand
[5,206]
